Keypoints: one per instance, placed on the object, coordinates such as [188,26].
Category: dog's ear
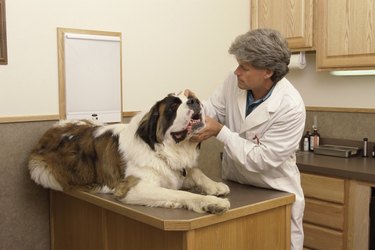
[148,126]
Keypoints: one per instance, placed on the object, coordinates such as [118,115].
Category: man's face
[250,78]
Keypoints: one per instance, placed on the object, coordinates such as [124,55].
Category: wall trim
[341,110]
[29,118]
[34,118]
[129,114]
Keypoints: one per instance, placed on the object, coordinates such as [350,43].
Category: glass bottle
[365,147]
[314,138]
[306,141]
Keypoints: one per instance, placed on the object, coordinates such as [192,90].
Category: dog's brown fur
[76,163]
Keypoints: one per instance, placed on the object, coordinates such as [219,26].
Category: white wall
[322,89]
[168,45]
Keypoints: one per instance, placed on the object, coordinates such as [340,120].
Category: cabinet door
[292,18]
[345,34]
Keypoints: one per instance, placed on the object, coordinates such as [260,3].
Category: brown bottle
[314,138]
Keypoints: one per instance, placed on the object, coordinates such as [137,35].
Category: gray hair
[263,49]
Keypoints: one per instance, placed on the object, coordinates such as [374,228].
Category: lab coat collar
[263,112]
[241,102]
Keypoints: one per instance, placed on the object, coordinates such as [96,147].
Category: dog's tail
[41,173]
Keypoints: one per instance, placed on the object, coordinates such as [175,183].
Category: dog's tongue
[179,136]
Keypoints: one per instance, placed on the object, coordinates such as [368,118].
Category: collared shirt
[251,104]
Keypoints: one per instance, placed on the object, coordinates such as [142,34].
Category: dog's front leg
[196,179]
[156,196]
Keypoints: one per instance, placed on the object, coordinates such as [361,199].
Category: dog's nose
[193,101]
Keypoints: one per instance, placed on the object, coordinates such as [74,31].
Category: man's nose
[237,71]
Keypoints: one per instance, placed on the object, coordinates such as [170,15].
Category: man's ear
[268,74]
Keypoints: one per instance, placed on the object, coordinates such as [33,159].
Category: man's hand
[212,128]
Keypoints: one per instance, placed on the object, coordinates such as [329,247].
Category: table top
[245,200]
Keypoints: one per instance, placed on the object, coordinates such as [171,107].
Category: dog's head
[176,117]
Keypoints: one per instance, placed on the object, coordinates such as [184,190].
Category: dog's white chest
[175,180]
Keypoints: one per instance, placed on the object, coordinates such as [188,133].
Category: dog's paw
[216,205]
[210,204]
[217,189]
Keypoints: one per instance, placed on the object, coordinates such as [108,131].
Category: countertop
[356,167]
[244,199]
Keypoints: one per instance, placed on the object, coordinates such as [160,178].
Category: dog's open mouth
[194,124]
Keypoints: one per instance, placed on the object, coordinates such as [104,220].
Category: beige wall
[321,89]
[168,45]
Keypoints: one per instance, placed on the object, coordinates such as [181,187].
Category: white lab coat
[260,149]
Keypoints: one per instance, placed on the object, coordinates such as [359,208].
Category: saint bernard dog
[150,161]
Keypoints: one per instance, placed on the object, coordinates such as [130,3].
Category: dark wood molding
[52,117]
[3,35]
[341,110]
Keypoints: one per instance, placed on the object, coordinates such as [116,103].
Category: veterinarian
[260,118]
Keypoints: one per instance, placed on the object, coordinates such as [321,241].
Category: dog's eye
[174,106]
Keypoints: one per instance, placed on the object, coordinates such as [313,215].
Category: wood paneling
[333,187]
[346,34]
[324,213]
[33,118]
[250,232]
[85,221]
[71,228]
[359,196]
[293,19]
[126,233]
[322,238]
[341,110]
[336,213]
[3,35]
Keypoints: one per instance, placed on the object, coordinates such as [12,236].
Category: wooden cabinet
[258,219]
[293,18]
[324,217]
[345,34]
[336,212]
[341,32]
